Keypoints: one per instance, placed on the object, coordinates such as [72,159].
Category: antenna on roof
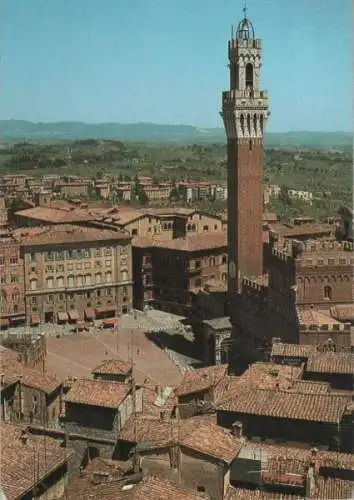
[245,9]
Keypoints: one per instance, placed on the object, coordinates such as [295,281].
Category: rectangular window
[2,261]
[78,266]
[13,260]
[108,263]
[3,278]
[50,283]
[97,252]
[87,253]
[107,251]
[60,282]
[33,300]
[14,278]
[87,265]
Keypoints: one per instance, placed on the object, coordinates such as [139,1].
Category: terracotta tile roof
[195,243]
[282,470]
[97,393]
[292,350]
[333,489]
[196,433]
[65,233]
[208,438]
[201,379]
[17,460]
[57,215]
[13,369]
[322,459]
[157,398]
[153,488]
[294,406]
[291,231]
[331,362]
[260,375]
[310,387]
[310,316]
[148,429]
[244,494]
[113,467]
[112,367]
[343,312]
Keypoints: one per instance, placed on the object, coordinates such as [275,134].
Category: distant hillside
[19,130]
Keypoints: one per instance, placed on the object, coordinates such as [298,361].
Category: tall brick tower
[244,112]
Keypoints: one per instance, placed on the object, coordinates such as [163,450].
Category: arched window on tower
[255,125]
[328,292]
[261,123]
[242,121]
[249,75]
[249,125]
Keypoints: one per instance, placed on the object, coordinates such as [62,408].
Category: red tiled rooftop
[97,393]
[195,243]
[331,362]
[201,379]
[208,438]
[288,405]
[13,370]
[112,367]
[19,460]
[66,233]
[292,350]
[56,215]
[244,494]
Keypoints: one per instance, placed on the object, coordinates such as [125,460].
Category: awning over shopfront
[109,323]
[73,315]
[63,316]
[105,310]
[35,319]
[89,313]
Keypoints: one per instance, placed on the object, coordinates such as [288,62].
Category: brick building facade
[168,274]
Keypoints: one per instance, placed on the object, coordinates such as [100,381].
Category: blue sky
[165,61]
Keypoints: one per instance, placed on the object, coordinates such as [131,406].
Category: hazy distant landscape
[20,130]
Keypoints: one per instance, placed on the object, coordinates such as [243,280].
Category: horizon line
[48,122]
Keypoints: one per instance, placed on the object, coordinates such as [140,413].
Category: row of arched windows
[251,125]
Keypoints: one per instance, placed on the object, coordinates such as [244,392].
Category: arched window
[249,75]
[15,308]
[98,278]
[242,122]
[327,292]
[212,262]
[108,277]
[249,125]
[255,124]
[33,284]
[71,281]
[88,279]
[79,280]
[198,283]
[261,123]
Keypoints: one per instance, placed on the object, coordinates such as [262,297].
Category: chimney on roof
[237,429]
[24,436]
[311,483]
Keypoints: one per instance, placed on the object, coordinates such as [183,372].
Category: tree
[284,194]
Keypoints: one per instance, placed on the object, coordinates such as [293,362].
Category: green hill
[19,130]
